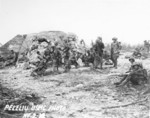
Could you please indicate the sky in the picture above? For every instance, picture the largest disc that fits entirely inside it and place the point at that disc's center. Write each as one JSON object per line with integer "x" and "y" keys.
{"x": 128, "y": 20}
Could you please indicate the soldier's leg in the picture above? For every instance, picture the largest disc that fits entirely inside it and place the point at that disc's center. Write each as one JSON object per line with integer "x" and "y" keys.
{"x": 67, "y": 65}
{"x": 112, "y": 58}
{"x": 126, "y": 80}
{"x": 115, "y": 60}
{"x": 116, "y": 63}
{"x": 42, "y": 68}
{"x": 57, "y": 68}
{"x": 96, "y": 63}
{"x": 54, "y": 65}
{"x": 86, "y": 61}
{"x": 57, "y": 64}
{"x": 123, "y": 79}
{"x": 76, "y": 64}
{"x": 101, "y": 62}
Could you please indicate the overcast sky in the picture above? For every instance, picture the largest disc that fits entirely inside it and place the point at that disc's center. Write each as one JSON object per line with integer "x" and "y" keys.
{"x": 129, "y": 20}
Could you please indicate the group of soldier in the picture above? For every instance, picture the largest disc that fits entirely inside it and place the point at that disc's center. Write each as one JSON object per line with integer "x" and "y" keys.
{"x": 67, "y": 56}
{"x": 64, "y": 56}
{"x": 54, "y": 55}
{"x": 100, "y": 54}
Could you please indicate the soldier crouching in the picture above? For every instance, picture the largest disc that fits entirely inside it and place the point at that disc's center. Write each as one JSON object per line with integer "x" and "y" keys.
{"x": 73, "y": 59}
{"x": 41, "y": 66}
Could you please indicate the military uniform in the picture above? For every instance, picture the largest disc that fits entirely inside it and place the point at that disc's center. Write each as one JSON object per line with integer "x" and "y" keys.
{"x": 73, "y": 59}
{"x": 137, "y": 53}
{"x": 40, "y": 64}
{"x": 67, "y": 62}
{"x": 106, "y": 57}
{"x": 57, "y": 58}
{"x": 98, "y": 53}
{"x": 137, "y": 75}
{"x": 146, "y": 46}
{"x": 115, "y": 51}
{"x": 12, "y": 58}
{"x": 47, "y": 54}
{"x": 86, "y": 59}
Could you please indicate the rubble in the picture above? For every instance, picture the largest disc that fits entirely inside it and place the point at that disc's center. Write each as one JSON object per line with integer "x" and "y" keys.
{"x": 10, "y": 98}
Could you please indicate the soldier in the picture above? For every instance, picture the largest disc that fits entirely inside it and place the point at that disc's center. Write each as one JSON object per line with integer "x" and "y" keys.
{"x": 47, "y": 53}
{"x": 73, "y": 59}
{"x": 115, "y": 51}
{"x": 12, "y": 59}
{"x": 137, "y": 53}
{"x": 120, "y": 46}
{"x": 85, "y": 59}
{"x": 146, "y": 46}
{"x": 82, "y": 42}
{"x": 57, "y": 59}
{"x": 106, "y": 57}
{"x": 66, "y": 55}
{"x": 136, "y": 75}
{"x": 89, "y": 57}
{"x": 40, "y": 65}
{"x": 98, "y": 50}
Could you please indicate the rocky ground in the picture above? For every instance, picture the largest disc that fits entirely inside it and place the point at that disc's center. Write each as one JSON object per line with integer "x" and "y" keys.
{"x": 83, "y": 92}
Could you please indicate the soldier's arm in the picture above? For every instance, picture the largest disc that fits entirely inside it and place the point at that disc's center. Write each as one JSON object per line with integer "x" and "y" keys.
{"x": 136, "y": 71}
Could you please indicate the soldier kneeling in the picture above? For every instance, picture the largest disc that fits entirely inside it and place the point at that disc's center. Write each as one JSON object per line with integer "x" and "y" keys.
{"x": 136, "y": 76}
{"x": 41, "y": 66}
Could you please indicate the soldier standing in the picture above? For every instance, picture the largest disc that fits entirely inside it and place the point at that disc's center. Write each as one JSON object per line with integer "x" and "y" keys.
{"x": 66, "y": 57}
{"x": 57, "y": 58}
{"x": 98, "y": 50}
{"x": 115, "y": 51}
{"x": 146, "y": 46}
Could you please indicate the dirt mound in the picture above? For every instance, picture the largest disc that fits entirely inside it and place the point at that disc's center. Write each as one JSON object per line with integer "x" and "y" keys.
{"x": 23, "y": 42}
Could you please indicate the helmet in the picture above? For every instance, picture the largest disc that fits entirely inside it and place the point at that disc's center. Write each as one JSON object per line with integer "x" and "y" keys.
{"x": 137, "y": 64}
{"x": 131, "y": 59}
{"x": 114, "y": 38}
